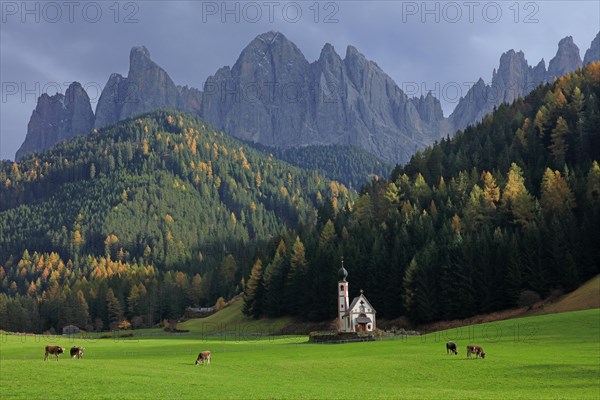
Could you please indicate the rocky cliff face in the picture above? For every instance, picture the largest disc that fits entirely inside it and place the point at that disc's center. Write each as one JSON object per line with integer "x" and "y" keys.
{"x": 147, "y": 87}
{"x": 472, "y": 107}
{"x": 56, "y": 118}
{"x": 110, "y": 103}
{"x": 274, "y": 96}
{"x": 567, "y": 59}
{"x": 263, "y": 98}
{"x": 514, "y": 79}
{"x": 593, "y": 53}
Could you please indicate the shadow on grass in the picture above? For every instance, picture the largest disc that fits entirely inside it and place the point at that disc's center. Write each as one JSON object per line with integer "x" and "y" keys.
{"x": 582, "y": 374}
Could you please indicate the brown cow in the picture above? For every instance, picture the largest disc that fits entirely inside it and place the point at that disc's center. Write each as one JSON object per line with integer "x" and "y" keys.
{"x": 451, "y": 348}
{"x": 54, "y": 350}
{"x": 77, "y": 352}
{"x": 203, "y": 356}
{"x": 475, "y": 349}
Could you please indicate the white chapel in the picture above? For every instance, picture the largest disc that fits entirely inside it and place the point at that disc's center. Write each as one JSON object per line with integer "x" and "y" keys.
{"x": 358, "y": 316}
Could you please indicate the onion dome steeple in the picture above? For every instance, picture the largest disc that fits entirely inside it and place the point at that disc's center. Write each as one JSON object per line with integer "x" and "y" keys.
{"x": 342, "y": 273}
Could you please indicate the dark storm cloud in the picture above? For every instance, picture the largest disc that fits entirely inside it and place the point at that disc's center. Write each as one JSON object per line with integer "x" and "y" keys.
{"x": 422, "y": 46}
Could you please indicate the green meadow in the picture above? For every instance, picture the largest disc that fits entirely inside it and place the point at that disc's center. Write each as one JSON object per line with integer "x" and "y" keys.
{"x": 542, "y": 357}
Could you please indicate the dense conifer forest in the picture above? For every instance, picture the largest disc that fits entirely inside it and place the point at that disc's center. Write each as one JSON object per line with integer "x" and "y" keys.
{"x": 137, "y": 221}
{"x": 350, "y": 165}
{"x": 140, "y": 220}
{"x": 506, "y": 208}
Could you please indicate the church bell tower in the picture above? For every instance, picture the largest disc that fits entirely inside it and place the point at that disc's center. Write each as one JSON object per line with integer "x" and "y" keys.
{"x": 343, "y": 318}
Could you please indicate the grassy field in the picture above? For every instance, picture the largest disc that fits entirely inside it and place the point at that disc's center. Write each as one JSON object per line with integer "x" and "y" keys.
{"x": 231, "y": 320}
{"x": 550, "y": 356}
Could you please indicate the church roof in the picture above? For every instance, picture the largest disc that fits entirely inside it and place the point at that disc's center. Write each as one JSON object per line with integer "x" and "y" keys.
{"x": 363, "y": 320}
{"x": 356, "y": 300}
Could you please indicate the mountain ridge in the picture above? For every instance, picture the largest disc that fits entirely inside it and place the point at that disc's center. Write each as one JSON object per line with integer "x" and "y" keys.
{"x": 58, "y": 117}
{"x": 516, "y": 78}
{"x": 273, "y": 96}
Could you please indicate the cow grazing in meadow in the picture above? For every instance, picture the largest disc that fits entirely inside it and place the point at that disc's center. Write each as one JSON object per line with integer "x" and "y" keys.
{"x": 474, "y": 349}
{"x": 77, "y": 352}
{"x": 202, "y": 357}
{"x": 54, "y": 350}
{"x": 451, "y": 348}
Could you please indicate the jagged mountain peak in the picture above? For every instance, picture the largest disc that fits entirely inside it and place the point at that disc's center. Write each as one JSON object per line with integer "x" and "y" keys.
{"x": 512, "y": 53}
{"x": 274, "y": 96}
{"x": 116, "y": 76}
{"x": 296, "y": 103}
{"x": 139, "y": 52}
{"x": 329, "y": 55}
{"x": 428, "y": 107}
{"x": 74, "y": 86}
{"x": 358, "y": 66}
{"x": 147, "y": 87}
{"x": 327, "y": 47}
{"x": 327, "y": 50}
{"x": 566, "y": 46}
{"x": 513, "y": 66}
{"x": 271, "y": 41}
{"x": 352, "y": 54}
{"x": 268, "y": 52}
{"x": 355, "y": 57}
{"x": 140, "y": 62}
{"x": 270, "y": 36}
{"x": 541, "y": 64}
{"x": 514, "y": 78}
{"x": 75, "y": 91}
{"x": 512, "y": 59}
{"x": 567, "y": 58}
{"x": 593, "y": 53}
{"x": 566, "y": 41}
{"x": 57, "y": 118}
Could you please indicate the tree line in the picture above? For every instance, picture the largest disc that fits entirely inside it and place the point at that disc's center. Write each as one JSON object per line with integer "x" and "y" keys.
{"x": 467, "y": 226}
{"x": 161, "y": 191}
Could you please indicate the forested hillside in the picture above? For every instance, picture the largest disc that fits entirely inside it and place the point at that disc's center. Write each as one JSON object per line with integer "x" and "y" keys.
{"x": 349, "y": 165}
{"x": 142, "y": 219}
{"x": 467, "y": 226}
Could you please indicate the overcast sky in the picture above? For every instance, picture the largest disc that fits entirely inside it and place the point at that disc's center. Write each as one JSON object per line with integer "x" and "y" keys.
{"x": 437, "y": 46}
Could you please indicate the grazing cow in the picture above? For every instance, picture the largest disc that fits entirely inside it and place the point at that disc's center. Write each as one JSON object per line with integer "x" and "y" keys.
{"x": 451, "y": 348}
{"x": 54, "y": 350}
{"x": 474, "y": 349}
{"x": 203, "y": 356}
{"x": 77, "y": 352}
